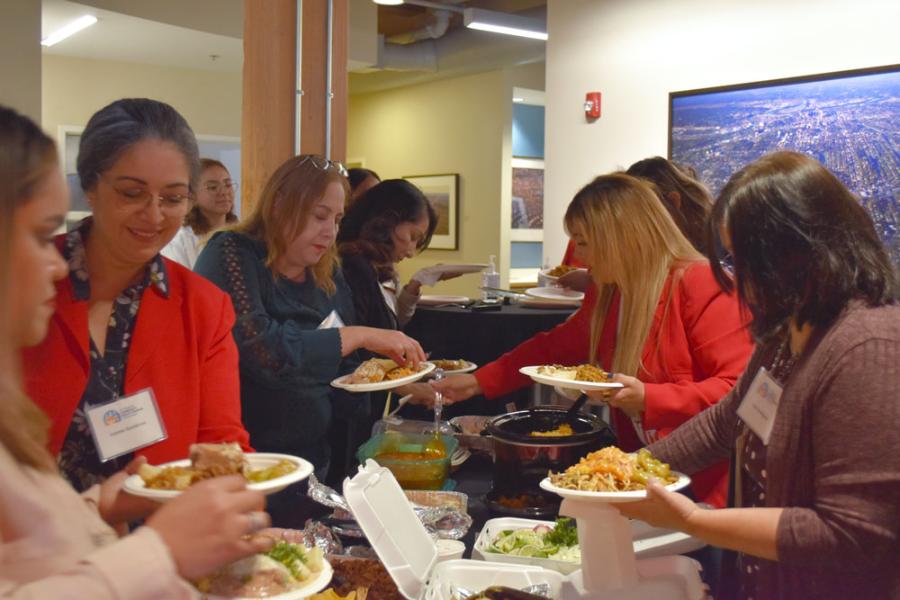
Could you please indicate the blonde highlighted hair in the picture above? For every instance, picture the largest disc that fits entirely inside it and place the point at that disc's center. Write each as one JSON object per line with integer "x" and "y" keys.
{"x": 283, "y": 211}
{"x": 633, "y": 245}
{"x": 27, "y": 155}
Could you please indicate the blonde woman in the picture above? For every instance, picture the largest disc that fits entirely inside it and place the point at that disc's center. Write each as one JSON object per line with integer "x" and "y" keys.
{"x": 655, "y": 316}
{"x": 295, "y": 315}
{"x": 55, "y": 543}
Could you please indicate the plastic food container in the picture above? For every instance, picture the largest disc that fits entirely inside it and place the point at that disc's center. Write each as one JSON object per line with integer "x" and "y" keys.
{"x": 468, "y": 430}
{"x": 411, "y": 556}
{"x": 450, "y": 549}
{"x": 404, "y": 454}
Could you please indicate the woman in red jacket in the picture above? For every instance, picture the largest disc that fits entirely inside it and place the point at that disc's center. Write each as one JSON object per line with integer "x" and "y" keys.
{"x": 127, "y": 319}
{"x": 655, "y": 317}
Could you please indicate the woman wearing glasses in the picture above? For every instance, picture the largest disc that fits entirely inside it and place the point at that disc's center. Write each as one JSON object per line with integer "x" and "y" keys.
{"x": 654, "y": 316}
{"x": 134, "y": 333}
{"x": 55, "y": 543}
{"x": 213, "y": 209}
{"x": 817, "y": 486}
{"x": 294, "y": 310}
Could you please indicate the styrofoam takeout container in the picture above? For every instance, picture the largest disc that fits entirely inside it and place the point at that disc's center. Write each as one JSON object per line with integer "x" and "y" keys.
{"x": 411, "y": 556}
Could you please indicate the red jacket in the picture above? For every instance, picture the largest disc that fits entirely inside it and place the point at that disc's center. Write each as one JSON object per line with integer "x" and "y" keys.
{"x": 181, "y": 347}
{"x": 703, "y": 348}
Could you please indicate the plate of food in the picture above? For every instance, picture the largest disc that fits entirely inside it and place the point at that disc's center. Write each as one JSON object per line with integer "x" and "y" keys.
{"x": 611, "y": 475}
{"x": 557, "y": 271}
{"x": 453, "y": 367}
{"x": 264, "y": 471}
{"x": 286, "y": 572}
{"x": 556, "y": 294}
{"x": 381, "y": 374}
{"x": 578, "y": 377}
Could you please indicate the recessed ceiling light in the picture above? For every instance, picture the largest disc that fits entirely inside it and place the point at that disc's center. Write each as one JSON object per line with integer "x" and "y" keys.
{"x": 68, "y": 30}
{"x": 518, "y": 99}
{"x": 388, "y": 2}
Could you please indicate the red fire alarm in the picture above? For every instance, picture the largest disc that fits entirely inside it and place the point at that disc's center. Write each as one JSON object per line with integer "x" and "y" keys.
{"x": 592, "y": 105}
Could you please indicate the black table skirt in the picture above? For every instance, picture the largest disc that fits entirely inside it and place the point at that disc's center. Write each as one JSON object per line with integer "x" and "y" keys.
{"x": 480, "y": 337}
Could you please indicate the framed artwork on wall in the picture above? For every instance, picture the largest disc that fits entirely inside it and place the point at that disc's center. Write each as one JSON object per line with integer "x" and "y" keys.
{"x": 527, "y": 209}
{"x": 849, "y": 121}
{"x": 443, "y": 193}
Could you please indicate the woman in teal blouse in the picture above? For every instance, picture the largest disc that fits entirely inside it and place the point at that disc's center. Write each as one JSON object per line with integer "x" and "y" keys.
{"x": 295, "y": 316}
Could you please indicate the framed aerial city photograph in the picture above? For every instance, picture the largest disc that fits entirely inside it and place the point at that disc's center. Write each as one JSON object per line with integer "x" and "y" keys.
{"x": 849, "y": 121}
{"x": 443, "y": 193}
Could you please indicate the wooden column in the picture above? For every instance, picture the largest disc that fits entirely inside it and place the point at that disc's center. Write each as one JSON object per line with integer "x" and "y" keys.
{"x": 269, "y": 87}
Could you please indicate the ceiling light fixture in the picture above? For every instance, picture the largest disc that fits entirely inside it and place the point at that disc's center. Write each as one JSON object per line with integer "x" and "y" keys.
{"x": 68, "y": 30}
{"x": 498, "y": 22}
{"x": 389, "y": 2}
{"x": 518, "y": 99}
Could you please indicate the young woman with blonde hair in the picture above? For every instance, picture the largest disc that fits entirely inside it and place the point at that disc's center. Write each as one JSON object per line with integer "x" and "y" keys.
{"x": 654, "y": 316}
{"x": 295, "y": 314}
{"x": 55, "y": 543}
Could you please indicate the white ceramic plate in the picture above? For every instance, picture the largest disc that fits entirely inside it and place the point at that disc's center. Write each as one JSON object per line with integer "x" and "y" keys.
{"x": 258, "y": 460}
{"x": 568, "y": 384}
{"x": 434, "y": 300}
{"x": 463, "y": 268}
{"x": 555, "y": 293}
{"x": 310, "y": 587}
{"x": 470, "y": 366}
{"x": 612, "y": 497}
{"x": 341, "y": 382}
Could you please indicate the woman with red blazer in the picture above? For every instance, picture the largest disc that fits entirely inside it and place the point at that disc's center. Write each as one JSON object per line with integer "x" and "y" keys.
{"x": 127, "y": 319}
{"x": 655, "y": 316}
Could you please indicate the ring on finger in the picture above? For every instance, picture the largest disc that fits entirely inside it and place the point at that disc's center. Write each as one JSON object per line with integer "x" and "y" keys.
{"x": 258, "y": 520}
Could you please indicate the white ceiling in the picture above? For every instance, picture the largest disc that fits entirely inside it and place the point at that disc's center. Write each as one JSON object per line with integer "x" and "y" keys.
{"x": 127, "y": 38}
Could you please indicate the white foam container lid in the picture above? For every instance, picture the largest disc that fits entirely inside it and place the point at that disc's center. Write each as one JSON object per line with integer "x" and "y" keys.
{"x": 408, "y": 552}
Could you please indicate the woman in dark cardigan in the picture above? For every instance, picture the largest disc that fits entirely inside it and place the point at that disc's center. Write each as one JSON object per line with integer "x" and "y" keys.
{"x": 817, "y": 483}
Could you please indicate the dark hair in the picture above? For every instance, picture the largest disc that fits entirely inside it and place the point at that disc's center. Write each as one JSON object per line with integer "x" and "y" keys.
{"x": 27, "y": 157}
{"x": 124, "y": 123}
{"x": 803, "y": 245}
{"x": 195, "y": 218}
{"x": 696, "y": 201}
{"x": 368, "y": 226}
{"x": 357, "y": 175}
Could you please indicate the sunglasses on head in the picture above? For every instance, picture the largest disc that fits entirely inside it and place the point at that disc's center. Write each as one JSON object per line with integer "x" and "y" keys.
{"x": 323, "y": 163}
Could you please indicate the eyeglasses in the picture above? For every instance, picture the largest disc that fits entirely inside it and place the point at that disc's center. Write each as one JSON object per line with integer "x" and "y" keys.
{"x": 323, "y": 163}
{"x": 170, "y": 203}
{"x": 214, "y": 187}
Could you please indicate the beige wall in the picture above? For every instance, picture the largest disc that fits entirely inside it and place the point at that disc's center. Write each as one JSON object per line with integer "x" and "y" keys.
{"x": 20, "y": 57}
{"x": 459, "y": 125}
{"x": 635, "y": 53}
{"x": 75, "y": 88}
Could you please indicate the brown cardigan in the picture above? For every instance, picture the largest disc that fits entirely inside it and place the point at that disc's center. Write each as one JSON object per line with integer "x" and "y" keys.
{"x": 833, "y": 459}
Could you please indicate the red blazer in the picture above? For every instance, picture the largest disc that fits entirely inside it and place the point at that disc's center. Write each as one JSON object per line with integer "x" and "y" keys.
{"x": 182, "y": 347}
{"x": 703, "y": 348}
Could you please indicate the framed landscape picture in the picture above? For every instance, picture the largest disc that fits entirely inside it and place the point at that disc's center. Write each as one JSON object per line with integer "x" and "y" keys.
{"x": 849, "y": 121}
{"x": 443, "y": 193}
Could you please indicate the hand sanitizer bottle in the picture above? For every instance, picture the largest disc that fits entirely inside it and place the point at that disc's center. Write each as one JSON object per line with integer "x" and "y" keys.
{"x": 490, "y": 279}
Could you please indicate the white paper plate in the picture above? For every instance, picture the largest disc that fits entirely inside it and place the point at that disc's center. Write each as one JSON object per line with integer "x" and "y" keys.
{"x": 463, "y": 268}
{"x": 467, "y": 369}
{"x": 555, "y": 293}
{"x": 569, "y": 384}
{"x": 341, "y": 382}
{"x": 258, "y": 460}
{"x": 434, "y": 300}
{"x": 316, "y": 584}
{"x": 612, "y": 497}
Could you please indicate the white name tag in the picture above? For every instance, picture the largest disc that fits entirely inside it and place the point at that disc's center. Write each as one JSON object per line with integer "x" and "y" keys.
{"x": 331, "y": 321}
{"x": 126, "y": 425}
{"x": 760, "y": 405}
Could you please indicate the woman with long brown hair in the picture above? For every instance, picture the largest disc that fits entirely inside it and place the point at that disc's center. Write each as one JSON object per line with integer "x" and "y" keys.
{"x": 53, "y": 542}
{"x": 213, "y": 209}
{"x": 654, "y": 316}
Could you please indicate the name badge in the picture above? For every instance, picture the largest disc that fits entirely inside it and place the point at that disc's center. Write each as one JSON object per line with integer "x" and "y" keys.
{"x": 128, "y": 424}
{"x": 331, "y": 321}
{"x": 760, "y": 405}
